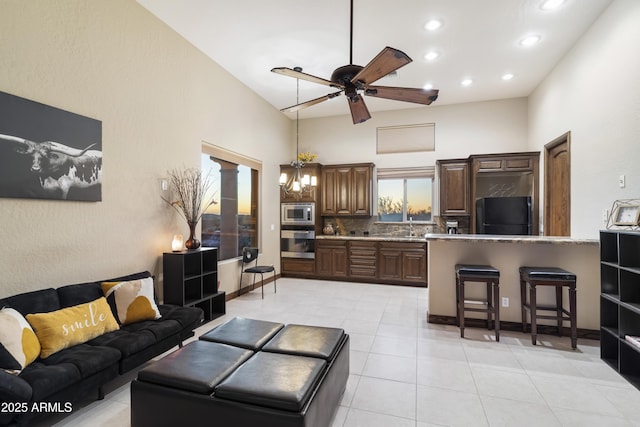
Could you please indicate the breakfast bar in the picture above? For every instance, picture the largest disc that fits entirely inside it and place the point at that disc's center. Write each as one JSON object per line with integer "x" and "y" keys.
{"x": 508, "y": 254}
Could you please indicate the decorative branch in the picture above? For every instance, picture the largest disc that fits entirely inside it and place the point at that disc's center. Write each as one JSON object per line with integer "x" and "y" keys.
{"x": 191, "y": 197}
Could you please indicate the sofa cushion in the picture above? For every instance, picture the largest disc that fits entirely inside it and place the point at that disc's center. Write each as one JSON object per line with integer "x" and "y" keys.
{"x": 132, "y": 300}
{"x": 19, "y": 345}
{"x": 160, "y": 330}
{"x": 88, "y": 359}
{"x": 40, "y": 301}
{"x": 46, "y": 380}
{"x": 82, "y": 293}
{"x": 127, "y": 343}
{"x": 69, "y": 326}
{"x": 188, "y": 317}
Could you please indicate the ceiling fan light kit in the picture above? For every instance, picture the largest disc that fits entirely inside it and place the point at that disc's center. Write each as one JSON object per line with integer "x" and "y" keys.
{"x": 355, "y": 80}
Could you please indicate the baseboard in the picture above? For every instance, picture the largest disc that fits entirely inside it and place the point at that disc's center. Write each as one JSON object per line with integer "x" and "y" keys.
{"x": 513, "y": 326}
{"x": 248, "y": 288}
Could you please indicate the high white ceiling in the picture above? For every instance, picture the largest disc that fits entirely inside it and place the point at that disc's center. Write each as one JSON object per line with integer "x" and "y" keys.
{"x": 479, "y": 39}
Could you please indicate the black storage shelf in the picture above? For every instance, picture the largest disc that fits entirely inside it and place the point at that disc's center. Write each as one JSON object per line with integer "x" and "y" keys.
{"x": 191, "y": 280}
{"x": 620, "y": 302}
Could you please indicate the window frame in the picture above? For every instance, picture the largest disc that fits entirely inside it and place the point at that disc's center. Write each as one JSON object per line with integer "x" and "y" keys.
{"x": 405, "y": 174}
{"x": 226, "y": 155}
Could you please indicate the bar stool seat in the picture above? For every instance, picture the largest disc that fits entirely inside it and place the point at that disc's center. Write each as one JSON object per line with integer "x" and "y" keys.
{"x": 548, "y": 276}
{"x": 484, "y": 274}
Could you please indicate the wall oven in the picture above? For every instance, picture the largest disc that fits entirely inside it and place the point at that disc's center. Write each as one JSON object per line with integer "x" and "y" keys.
{"x": 298, "y": 214}
{"x": 297, "y": 243}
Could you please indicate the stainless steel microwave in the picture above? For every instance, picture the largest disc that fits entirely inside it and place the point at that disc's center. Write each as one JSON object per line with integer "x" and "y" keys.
{"x": 298, "y": 214}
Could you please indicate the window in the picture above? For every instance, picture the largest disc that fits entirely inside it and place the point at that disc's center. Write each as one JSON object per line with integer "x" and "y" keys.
{"x": 232, "y": 223}
{"x": 405, "y": 194}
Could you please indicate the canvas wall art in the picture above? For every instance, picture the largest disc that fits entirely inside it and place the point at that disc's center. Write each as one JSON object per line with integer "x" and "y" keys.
{"x": 48, "y": 153}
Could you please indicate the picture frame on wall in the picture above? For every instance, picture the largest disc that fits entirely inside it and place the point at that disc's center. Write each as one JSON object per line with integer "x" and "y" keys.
{"x": 48, "y": 153}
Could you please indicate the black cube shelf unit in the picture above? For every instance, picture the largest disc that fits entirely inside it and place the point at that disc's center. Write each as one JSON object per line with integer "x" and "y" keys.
{"x": 620, "y": 301}
{"x": 191, "y": 280}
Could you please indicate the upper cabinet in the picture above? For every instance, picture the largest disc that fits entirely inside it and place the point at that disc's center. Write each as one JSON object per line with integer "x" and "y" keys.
{"x": 463, "y": 181}
{"x": 454, "y": 187}
{"x": 311, "y": 169}
{"x": 506, "y": 175}
{"x": 346, "y": 190}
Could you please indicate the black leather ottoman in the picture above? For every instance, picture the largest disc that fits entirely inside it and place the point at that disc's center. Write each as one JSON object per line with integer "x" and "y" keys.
{"x": 297, "y": 383}
{"x": 241, "y": 332}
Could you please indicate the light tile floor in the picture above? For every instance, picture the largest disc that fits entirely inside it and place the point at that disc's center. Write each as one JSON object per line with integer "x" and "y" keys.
{"x": 406, "y": 372}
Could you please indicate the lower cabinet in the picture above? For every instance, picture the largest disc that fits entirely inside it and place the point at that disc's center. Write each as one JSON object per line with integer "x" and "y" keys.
{"x": 331, "y": 258}
{"x": 403, "y": 262}
{"x": 297, "y": 267}
{"x": 374, "y": 261}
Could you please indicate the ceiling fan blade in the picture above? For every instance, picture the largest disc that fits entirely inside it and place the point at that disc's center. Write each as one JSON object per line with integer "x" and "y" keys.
{"x": 388, "y": 60}
{"x": 359, "y": 110}
{"x": 304, "y": 76}
{"x": 303, "y": 105}
{"x": 419, "y": 96}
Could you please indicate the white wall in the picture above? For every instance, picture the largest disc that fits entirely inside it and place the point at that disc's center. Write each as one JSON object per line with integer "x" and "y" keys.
{"x": 594, "y": 92}
{"x": 462, "y": 129}
{"x": 158, "y": 98}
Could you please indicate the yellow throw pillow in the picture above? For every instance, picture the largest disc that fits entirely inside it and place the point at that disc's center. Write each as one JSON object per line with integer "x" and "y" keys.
{"x": 19, "y": 345}
{"x": 133, "y": 300}
{"x": 65, "y": 328}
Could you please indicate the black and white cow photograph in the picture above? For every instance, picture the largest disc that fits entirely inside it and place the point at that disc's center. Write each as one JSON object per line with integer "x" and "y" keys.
{"x": 48, "y": 153}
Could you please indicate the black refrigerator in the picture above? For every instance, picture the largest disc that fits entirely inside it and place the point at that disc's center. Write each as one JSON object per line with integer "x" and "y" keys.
{"x": 504, "y": 215}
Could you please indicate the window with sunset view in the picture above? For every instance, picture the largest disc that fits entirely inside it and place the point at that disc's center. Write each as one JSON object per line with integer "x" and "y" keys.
{"x": 231, "y": 223}
{"x": 403, "y": 197}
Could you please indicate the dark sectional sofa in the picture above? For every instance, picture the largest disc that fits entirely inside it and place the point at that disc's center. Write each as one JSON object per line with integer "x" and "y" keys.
{"x": 80, "y": 371}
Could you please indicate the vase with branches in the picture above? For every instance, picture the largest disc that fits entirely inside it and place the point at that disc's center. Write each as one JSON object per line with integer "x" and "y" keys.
{"x": 191, "y": 196}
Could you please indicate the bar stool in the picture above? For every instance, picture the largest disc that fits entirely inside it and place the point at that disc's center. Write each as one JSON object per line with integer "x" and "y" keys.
{"x": 484, "y": 274}
{"x": 548, "y": 276}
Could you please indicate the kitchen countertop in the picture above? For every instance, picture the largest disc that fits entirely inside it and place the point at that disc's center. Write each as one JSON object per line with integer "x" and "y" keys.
{"x": 485, "y": 238}
{"x": 373, "y": 237}
{"x": 468, "y": 238}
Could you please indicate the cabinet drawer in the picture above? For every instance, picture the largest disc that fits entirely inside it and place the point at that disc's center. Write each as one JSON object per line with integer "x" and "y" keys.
{"x": 363, "y": 272}
{"x": 489, "y": 165}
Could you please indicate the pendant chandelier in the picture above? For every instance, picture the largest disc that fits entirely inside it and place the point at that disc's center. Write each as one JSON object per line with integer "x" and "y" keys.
{"x": 299, "y": 184}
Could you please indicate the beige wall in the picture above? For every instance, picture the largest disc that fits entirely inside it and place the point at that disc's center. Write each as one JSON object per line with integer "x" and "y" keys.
{"x": 594, "y": 92}
{"x": 581, "y": 259}
{"x": 158, "y": 98}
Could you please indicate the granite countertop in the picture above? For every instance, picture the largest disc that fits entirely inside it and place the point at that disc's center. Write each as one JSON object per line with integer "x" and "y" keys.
{"x": 374, "y": 237}
{"x": 486, "y": 238}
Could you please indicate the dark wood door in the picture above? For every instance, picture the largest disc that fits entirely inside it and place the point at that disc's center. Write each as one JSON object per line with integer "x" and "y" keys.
{"x": 414, "y": 265}
{"x": 557, "y": 187}
{"x": 390, "y": 267}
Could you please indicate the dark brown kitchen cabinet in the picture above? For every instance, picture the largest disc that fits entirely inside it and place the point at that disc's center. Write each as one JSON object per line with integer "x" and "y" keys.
{"x": 506, "y": 175}
{"x": 311, "y": 169}
{"x": 403, "y": 262}
{"x": 346, "y": 190}
{"x": 331, "y": 258}
{"x": 297, "y": 267}
{"x": 363, "y": 259}
{"x": 454, "y": 187}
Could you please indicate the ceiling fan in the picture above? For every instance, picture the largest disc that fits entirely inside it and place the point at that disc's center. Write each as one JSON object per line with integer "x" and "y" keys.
{"x": 355, "y": 80}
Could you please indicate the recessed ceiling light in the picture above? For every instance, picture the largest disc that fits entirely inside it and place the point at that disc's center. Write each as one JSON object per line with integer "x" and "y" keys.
{"x": 507, "y": 76}
{"x": 433, "y": 24}
{"x": 551, "y": 4}
{"x": 530, "y": 41}
{"x": 428, "y": 86}
{"x": 466, "y": 82}
{"x": 431, "y": 56}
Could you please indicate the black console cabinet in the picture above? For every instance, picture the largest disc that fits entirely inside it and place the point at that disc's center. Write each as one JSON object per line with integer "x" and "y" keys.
{"x": 191, "y": 279}
{"x": 620, "y": 302}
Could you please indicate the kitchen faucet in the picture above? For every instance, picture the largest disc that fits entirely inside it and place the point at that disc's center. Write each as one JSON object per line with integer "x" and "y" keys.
{"x": 411, "y": 226}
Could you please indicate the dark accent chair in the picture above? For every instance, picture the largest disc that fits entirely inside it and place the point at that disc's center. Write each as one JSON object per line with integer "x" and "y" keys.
{"x": 250, "y": 255}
